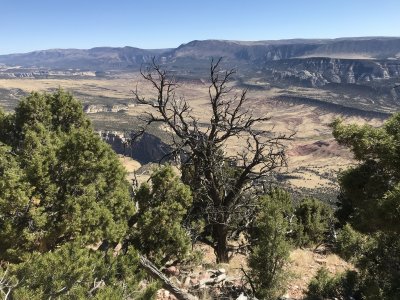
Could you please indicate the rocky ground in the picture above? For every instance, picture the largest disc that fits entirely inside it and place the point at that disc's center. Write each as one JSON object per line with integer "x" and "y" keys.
{"x": 208, "y": 279}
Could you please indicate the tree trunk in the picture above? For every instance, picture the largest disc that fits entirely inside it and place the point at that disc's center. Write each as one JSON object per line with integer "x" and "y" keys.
{"x": 220, "y": 233}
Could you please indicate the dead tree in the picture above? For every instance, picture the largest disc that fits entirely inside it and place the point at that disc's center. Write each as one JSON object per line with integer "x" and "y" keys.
{"x": 223, "y": 184}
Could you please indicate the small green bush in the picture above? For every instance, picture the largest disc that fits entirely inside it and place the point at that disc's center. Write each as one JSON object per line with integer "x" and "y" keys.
{"x": 270, "y": 251}
{"x": 350, "y": 244}
{"x": 314, "y": 219}
{"x": 342, "y": 286}
{"x": 161, "y": 209}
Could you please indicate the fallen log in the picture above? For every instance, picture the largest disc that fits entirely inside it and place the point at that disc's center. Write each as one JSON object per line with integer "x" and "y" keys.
{"x": 167, "y": 284}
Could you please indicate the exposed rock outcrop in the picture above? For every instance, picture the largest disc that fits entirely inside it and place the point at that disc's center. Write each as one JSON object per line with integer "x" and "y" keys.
{"x": 147, "y": 148}
{"x": 318, "y": 72}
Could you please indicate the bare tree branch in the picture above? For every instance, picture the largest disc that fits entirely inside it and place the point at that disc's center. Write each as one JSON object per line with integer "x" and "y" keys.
{"x": 223, "y": 182}
{"x": 7, "y": 284}
{"x": 167, "y": 284}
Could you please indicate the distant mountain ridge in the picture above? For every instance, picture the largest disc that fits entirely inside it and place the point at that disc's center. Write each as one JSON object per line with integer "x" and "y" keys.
{"x": 99, "y": 58}
{"x": 113, "y": 58}
{"x": 371, "y": 48}
{"x": 359, "y": 73}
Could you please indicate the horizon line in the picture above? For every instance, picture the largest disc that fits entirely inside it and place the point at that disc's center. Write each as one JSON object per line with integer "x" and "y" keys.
{"x": 203, "y": 40}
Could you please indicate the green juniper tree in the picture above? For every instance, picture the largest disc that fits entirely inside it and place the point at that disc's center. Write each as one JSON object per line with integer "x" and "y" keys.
{"x": 15, "y": 192}
{"x": 271, "y": 246}
{"x": 78, "y": 187}
{"x": 162, "y": 205}
{"x": 314, "y": 220}
{"x": 63, "y": 192}
{"x": 75, "y": 272}
{"x": 370, "y": 203}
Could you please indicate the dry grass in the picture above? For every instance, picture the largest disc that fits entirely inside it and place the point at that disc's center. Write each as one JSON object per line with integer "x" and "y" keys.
{"x": 304, "y": 266}
{"x": 116, "y": 88}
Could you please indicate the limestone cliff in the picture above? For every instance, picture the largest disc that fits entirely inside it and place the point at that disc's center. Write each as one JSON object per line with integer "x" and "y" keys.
{"x": 320, "y": 71}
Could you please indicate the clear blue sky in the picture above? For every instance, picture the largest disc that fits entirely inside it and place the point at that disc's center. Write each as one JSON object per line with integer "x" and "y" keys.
{"x": 27, "y": 25}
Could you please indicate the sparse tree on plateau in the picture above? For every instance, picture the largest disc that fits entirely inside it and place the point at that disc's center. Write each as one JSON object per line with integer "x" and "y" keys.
{"x": 223, "y": 186}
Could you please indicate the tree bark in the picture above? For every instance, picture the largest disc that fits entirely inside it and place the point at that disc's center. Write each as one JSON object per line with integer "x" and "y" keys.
{"x": 220, "y": 233}
{"x": 167, "y": 284}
